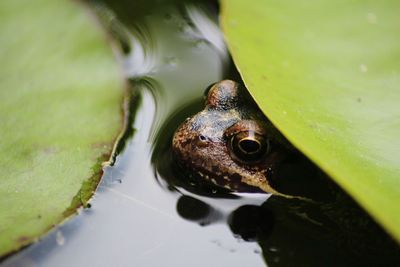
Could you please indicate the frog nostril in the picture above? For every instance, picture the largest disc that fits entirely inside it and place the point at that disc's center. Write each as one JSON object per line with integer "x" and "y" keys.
{"x": 249, "y": 146}
{"x": 202, "y": 141}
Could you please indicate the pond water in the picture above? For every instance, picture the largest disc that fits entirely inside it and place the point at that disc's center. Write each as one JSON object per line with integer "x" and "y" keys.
{"x": 146, "y": 212}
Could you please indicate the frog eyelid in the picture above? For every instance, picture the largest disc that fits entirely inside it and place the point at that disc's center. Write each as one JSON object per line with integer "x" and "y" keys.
{"x": 242, "y": 126}
{"x": 222, "y": 95}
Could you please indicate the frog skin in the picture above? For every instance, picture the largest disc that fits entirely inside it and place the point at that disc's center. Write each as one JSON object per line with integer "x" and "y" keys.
{"x": 231, "y": 143}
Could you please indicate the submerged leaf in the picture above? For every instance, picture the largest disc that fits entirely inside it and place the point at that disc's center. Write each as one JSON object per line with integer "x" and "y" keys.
{"x": 59, "y": 114}
{"x": 327, "y": 73}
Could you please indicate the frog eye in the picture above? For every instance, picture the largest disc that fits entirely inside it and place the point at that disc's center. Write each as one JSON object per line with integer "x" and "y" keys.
{"x": 248, "y": 146}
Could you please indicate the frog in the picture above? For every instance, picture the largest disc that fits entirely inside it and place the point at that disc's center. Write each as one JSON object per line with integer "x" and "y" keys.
{"x": 231, "y": 143}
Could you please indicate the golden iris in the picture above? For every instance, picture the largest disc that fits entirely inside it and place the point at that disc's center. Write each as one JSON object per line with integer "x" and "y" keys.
{"x": 249, "y": 146}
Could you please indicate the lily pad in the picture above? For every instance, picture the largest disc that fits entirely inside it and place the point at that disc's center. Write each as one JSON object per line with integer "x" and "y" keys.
{"x": 327, "y": 73}
{"x": 59, "y": 114}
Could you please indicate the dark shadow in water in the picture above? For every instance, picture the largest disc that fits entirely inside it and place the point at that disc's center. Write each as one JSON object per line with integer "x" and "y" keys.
{"x": 197, "y": 211}
{"x": 331, "y": 231}
{"x": 311, "y": 234}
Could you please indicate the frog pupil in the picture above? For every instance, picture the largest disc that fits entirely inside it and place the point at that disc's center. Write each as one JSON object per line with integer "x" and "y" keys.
{"x": 249, "y": 146}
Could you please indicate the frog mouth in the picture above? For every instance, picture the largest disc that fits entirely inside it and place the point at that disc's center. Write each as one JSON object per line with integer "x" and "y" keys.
{"x": 231, "y": 182}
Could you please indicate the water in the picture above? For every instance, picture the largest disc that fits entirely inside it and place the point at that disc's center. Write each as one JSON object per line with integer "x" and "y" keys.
{"x": 133, "y": 220}
{"x": 146, "y": 211}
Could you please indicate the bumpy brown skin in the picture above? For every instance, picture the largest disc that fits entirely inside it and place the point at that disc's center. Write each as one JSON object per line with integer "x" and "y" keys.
{"x": 202, "y": 142}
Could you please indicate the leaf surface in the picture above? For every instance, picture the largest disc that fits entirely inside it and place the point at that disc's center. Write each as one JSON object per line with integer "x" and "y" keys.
{"x": 327, "y": 73}
{"x": 59, "y": 114}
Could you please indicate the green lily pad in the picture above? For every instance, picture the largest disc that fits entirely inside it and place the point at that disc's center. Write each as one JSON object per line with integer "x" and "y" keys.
{"x": 327, "y": 73}
{"x": 59, "y": 115}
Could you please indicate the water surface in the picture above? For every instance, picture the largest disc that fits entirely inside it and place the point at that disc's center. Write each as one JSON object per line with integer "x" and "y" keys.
{"x": 147, "y": 212}
{"x": 168, "y": 56}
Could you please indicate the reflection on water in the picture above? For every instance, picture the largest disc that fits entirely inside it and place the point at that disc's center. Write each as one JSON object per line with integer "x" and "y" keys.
{"x": 134, "y": 221}
{"x": 177, "y": 45}
{"x": 169, "y": 53}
